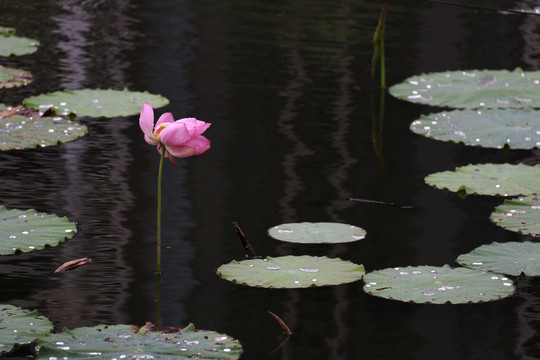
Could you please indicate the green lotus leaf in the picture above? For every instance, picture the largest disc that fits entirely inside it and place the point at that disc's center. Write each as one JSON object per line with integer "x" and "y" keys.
{"x": 11, "y": 45}
{"x": 19, "y": 132}
{"x": 28, "y": 230}
{"x": 437, "y": 285}
{"x": 508, "y": 128}
{"x": 95, "y": 102}
{"x": 317, "y": 233}
{"x": 489, "y": 179}
{"x": 520, "y": 215}
{"x": 121, "y": 342}
{"x": 20, "y": 326}
{"x": 291, "y": 272}
{"x": 511, "y": 258}
{"x": 487, "y": 89}
{"x": 13, "y": 77}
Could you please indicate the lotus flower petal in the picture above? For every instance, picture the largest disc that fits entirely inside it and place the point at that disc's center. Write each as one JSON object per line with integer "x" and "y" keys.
{"x": 146, "y": 121}
{"x": 165, "y": 119}
{"x": 195, "y": 127}
{"x": 180, "y": 151}
{"x": 200, "y": 144}
{"x": 181, "y": 138}
{"x": 175, "y": 134}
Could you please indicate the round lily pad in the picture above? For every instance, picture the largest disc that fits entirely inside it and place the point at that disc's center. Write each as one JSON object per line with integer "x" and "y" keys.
{"x": 28, "y": 230}
{"x": 520, "y": 215}
{"x": 20, "y": 326}
{"x": 511, "y": 258}
{"x": 437, "y": 285}
{"x": 10, "y": 77}
{"x": 19, "y": 132}
{"x": 317, "y": 233}
{"x": 95, "y": 102}
{"x": 122, "y": 342}
{"x": 11, "y": 45}
{"x": 489, "y": 179}
{"x": 508, "y": 128}
{"x": 488, "y": 89}
{"x": 291, "y": 272}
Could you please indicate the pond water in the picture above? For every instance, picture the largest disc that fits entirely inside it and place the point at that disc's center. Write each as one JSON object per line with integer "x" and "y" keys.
{"x": 288, "y": 90}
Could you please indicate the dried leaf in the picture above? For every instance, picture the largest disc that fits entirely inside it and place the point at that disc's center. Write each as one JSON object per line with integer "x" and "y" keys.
{"x": 73, "y": 264}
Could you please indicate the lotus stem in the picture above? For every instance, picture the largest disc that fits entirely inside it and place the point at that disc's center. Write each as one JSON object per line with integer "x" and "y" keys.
{"x": 158, "y": 243}
{"x": 158, "y": 237}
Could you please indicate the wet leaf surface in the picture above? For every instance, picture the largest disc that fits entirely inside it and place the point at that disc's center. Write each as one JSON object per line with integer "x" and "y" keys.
{"x": 29, "y": 230}
{"x": 521, "y": 215}
{"x": 291, "y": 272}
{"x": 128, "y": 342}
{"x": 11, "y": 45}
{"x": 10, "y": 77}
{"x": 511, "y": 258}
{"x": 513, "y": 129}
{"x": 19, "y": 132}
{"x": 317, "y": 233}
{"x": 489, "y": 179}
{"x": 437, "y": 285}
{"x": 471, "y": 89}
{"x": 20, "y": 326}
{"x": 95, "y": 102}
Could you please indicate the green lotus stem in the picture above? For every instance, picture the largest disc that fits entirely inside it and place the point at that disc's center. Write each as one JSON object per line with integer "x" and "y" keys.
{"x": 383, "y": 66}
{"x": 378, "y": 46}
{"x": 158, "y": 237}
{"x": 158, "y": 243}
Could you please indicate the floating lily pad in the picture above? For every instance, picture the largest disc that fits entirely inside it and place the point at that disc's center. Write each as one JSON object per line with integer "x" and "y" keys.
{"x": 291, "y": 272}
{"x": 121, "y": 342}
{"x": 520, "y": 215}
{"x": 515, "y": 129}
{"x": 11, "y": 45}
{"x": 511, "y": 258}
{"x": 437, "y": 285}
{"x": 20, "y": 326}
{"x": 95, "y": 102}
{"x": 489, "y": 179}
{"x": 13, "y": 77}
{"x": 28, "y": 230}
{"x": 488, "y": 89}
{"x": 19, "y": 132}
{"x": 317, "y": 233}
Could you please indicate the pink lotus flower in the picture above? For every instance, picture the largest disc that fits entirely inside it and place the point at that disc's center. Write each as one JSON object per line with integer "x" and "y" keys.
{"x": 181, "y": 138}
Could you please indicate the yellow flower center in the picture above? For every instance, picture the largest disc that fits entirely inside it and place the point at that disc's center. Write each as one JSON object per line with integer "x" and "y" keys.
{"x": 159, "y": 129}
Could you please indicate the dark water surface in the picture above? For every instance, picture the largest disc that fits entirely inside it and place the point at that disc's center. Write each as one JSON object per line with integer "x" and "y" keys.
{"x": 287, "y": 88}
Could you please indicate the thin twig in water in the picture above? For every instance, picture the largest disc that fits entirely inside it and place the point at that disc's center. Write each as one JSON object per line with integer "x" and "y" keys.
{"x": 286, "y": 332}
{"x": 245, "y": 243}
{"x": 477, "y": 7}
{"x": 380, "y": 203}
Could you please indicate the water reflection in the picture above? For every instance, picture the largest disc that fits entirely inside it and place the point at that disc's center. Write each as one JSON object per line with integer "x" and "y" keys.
{"x": 284, "y": 85}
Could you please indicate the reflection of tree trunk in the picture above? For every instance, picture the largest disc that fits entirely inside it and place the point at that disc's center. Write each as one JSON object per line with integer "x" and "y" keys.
{"x": 529, "y": 30}
{"x": 93, "y": 292}
{"x": 527, "y": 311}
{"x": 293, "y": 182}
{"x": 298, "y": 80}
{"x": 342, "y": 108}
